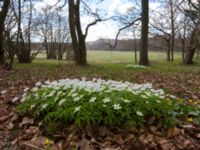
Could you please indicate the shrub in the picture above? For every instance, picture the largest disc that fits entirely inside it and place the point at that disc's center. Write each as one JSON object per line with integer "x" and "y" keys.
{"x": 104, "y": 102}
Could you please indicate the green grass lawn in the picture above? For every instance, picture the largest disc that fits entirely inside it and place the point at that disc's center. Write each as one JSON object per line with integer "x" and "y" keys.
{"x": 123, "y": 57}
{"x": 105, "y": 57}
{"x": 117, "y": 61}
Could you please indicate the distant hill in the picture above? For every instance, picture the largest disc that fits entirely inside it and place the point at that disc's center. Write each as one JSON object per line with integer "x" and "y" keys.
{"x": 155, "y": 44}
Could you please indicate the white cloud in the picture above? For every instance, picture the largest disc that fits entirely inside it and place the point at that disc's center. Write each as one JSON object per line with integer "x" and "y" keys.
{"x": 125, "y": 7}
{"x": 102, "y": 30}
{"x": 117, "y": 5}
{"x": 39, "y": 5}
{"x": 114, "y": 5}
{"x": 154, "y": 5}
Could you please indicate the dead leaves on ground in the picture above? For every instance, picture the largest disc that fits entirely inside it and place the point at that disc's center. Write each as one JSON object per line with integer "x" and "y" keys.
{"x": 81, "y": 138}
{"x": 186, "y": 84}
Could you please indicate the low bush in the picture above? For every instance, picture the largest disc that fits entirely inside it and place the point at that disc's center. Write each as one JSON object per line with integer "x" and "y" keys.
{"x": 104, "y": 102}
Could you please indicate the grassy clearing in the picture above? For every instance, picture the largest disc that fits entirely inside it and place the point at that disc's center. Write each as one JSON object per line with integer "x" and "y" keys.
{"x": 103, "y": 67}
{"x": 109, "y": 61}
{"x": 105, "y": 57}
{"x": 123, "y": 57}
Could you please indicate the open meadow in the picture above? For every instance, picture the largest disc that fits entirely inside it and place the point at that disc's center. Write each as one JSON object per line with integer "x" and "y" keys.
{"x": 115, "y": 60}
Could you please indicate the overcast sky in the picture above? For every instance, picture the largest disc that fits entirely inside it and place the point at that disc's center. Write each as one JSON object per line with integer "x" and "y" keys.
{"x": 105, "y": 29}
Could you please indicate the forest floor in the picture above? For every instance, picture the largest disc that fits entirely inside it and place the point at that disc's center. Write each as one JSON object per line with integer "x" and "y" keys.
{"x": 21, "y": 132}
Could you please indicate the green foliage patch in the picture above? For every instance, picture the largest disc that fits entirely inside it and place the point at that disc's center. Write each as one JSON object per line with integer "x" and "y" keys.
{"x": 81, "y": 102}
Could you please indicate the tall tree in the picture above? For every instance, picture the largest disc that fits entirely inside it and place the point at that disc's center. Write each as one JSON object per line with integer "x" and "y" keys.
{"x": 23, "y": 41}
{"x": 3, "y": 14}
{"x": 77, "y": 36}
{"x": 184, "y": 30}
{"x": 194, "y": 14}
{"x": 193, "y": 45}
{"x": 172, "y": 18}
{"x": 144, "y": 60}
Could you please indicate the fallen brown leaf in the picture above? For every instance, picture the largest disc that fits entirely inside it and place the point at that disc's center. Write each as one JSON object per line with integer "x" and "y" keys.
{"x": 4, "y": 118}
{"x": 10, "y": 126}
{"x": 129, "y": 137}
{"x": 188, "y": 126}
{"x": 118, "y": 139}
{"x": 85, "y": 144}
{"x": 198, "y": 136}
{"x": 168, "y": 146}
{"x": 174, "y": 131}
{"x": 26, "y": 121}
{"x": 155, "y": 131}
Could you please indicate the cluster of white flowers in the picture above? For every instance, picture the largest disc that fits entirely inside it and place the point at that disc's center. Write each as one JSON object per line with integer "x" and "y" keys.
{"x": 99, "y": 85}
{"x": 100, "y": 101}
{"x": 136, "y": 66}
{"x": 94, "y": 85}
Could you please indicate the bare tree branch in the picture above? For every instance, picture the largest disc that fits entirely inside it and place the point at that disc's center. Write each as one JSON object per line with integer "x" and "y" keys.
{"x": 193, "y": 5}
{"x": 91, "y": 24}
{"x": 121, "y": 29}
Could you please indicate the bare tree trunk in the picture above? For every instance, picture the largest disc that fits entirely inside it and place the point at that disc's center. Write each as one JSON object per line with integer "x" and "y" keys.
{"x": 168, "y": 50}
{"x": 193, "y": 45}
{"x": 24, "y": 47}
{"x": 78, "y": 38}
{"x": 70, "y": 53}
{"x": 183, "y": 51}
{"x": 135, "y": 46}
{"x": 183, "y": 41}
{"x": 190, "y": 54}
{"x": 197, "y": 54}
{"x": 60, "y": 55}
{"x": 2, "y": 57}
{"x": 10, "y": 49}
{"x": 3, "y": 15}
{"x": 172, "y": 30}
{"x": 135, "y": 50}
{"x": 144, "y": 60}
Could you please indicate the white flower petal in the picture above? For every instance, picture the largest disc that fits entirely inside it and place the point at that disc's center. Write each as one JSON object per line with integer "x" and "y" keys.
{"x": 117, "y": 106}
{"x": 139, "y": 113}
{"x": 77, "y": 109}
